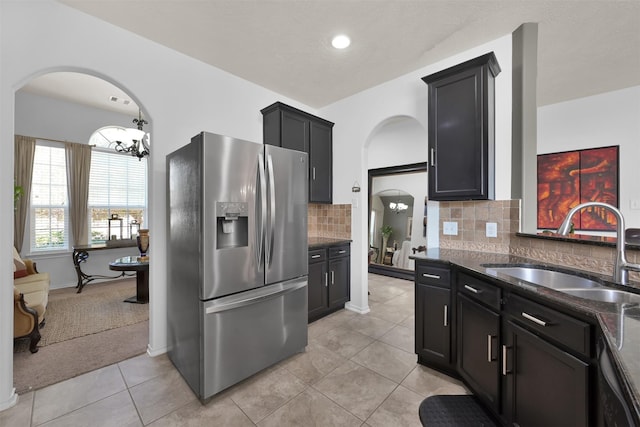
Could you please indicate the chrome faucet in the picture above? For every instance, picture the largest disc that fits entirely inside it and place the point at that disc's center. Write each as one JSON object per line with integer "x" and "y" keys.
{"x": 622, "y": 266}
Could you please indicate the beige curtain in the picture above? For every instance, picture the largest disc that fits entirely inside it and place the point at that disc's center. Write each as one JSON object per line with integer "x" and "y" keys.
{"x": 24, "y": 150}
{"x": 78, "y": 158}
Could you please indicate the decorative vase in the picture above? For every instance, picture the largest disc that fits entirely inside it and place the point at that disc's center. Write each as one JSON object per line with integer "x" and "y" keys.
{"x": 143, "y": 244}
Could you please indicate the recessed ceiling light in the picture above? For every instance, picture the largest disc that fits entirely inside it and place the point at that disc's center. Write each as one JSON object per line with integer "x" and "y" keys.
{"x": 340, "y": 41}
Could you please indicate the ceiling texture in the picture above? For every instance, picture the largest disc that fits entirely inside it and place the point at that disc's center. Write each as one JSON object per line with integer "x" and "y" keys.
{"x": 585, "y": 47}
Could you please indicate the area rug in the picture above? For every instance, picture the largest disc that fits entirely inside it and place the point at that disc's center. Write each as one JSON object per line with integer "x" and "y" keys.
{"x": 67, "y": 359}
{"x": 83, "y": 332}
{"x": 98, "y": 308}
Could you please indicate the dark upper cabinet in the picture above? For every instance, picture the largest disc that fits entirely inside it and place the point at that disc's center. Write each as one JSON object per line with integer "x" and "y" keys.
{"x": 289, "y": 127}
{"x": 461, "y": 130}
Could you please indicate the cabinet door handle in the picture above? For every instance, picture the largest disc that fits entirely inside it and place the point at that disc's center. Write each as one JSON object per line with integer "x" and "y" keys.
{"x": 332, "y": 277}
{"x": 504, "y": 361}
{"x": 433, "y": 155}
{"x": 471, "y": 289}
{"x": 315, "y": 256}
{"x": 313, "y": 173}
{"x": 446, "y": 315}
{"x": 342, "y": 251}
{"x": 326, "y": 279}
{"x": 431, "y": 276}
{"x": 534, "y": 319}
{"x": 489, "y": 355}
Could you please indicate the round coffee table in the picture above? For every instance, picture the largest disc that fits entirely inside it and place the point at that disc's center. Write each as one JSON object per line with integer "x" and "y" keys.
{"x": 131, "y": 263}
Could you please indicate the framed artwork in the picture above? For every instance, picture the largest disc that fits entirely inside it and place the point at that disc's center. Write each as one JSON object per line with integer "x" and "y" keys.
{"x": 572, "y": 177}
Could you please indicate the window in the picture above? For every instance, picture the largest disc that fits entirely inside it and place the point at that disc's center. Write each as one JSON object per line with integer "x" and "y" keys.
{"x": 117, "y": 185}
{"x": 49, "y": 210}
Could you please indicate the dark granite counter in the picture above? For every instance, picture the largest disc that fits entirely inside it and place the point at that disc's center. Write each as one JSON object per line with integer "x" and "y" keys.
{"x": 324, "y": 242}
{"x": 620, "y": 324}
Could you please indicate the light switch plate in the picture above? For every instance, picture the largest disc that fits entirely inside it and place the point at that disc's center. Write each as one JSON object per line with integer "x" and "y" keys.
{"x": 492, "y": 229}
{"x": 450, "y": 228}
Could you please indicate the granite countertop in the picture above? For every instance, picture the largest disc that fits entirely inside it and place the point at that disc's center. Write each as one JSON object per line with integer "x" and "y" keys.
{"x": 620, "y": 325}
{"x": 323, "y": 242}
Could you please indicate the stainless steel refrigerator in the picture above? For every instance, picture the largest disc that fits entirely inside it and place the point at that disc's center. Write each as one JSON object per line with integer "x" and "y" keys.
{"x": 237, "y": 259}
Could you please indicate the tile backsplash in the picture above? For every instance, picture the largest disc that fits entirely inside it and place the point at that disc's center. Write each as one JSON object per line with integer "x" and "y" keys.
{"x": 329, "y": 221}
{"x": 472, "y": 217}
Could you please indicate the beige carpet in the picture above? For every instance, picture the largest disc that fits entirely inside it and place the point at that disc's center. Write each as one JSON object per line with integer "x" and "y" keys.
{"x": 83, "y": 332}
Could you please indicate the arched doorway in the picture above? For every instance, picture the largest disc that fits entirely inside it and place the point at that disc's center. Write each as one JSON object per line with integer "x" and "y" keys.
{"x": 68, "y": 106}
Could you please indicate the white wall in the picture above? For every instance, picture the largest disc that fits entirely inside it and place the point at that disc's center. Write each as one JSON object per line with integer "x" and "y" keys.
{"x": 369, "y": 110}
{"x": 399, "y": 141}
{"x": 611, "y": 118}
{"x": 180, "y": 96}
{"x": 44, "y": 117}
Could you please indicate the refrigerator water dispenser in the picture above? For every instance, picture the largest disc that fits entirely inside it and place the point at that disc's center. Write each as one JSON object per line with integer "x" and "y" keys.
{"x": 232, "y": 225}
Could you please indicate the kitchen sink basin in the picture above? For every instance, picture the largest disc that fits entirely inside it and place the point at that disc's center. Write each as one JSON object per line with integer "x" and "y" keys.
{"x": 544, "y": 277}
{"x": 605, "y": 295}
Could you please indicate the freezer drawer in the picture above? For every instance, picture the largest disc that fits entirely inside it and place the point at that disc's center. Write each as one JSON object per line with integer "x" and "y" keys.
{"x": 247, "y": 332}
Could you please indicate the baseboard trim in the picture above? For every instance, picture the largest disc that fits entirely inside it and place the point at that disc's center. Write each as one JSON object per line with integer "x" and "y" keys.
{"x": 157, "y": 352}
{"x": 10, "y": 402}
{"x": 358, "y": 310}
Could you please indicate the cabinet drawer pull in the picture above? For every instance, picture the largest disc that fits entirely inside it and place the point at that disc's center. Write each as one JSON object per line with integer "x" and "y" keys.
{"x": 489, "y": 355}
{"x": 431, "y": 276}
{"x": 433, "y": 155}
{"x": 326, "y": 279}
{"x": 332, "y": 277}
{"x": 534, "y": 319}
{"x": 313, "y": 173}
{"x": 471, "y": 289}
{"x": 342, "y": 251}
{"x": 446, "y": 315}
{"x": 315, "y": 256}
{"x": 504, "y": 360}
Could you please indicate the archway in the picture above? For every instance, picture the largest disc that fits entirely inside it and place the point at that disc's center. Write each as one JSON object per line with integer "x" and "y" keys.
{"x": 79, "y": 106}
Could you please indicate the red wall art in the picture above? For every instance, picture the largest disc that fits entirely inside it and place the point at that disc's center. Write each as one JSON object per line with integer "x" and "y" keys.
{"x": 567, "y": 179}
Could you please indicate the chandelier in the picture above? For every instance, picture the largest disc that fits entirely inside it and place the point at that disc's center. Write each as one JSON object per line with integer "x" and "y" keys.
{"x": 139, "y": 145}
{"x": 398, "y": 207}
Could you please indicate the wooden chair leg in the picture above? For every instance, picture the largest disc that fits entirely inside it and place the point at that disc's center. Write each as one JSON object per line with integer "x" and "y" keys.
{"x": 34, "y": 338}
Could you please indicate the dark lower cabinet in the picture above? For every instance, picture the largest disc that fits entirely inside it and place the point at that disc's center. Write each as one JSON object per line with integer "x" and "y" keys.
{"x": 434, "y": 342}
{"x": 543, "y": 385}
{"x": 478, "y": 350}
{"x": 318, "y": 283}
{"x": 529, "y": 363}
{"x": 433, "y": 330}
{"x": 339, "y": 283}
{"x": 329, "y": 285}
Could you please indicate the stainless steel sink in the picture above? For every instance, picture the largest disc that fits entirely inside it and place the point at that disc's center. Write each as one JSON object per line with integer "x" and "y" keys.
{"x": 571, "y": 284}
{"x": 606, "y": 295}
{"x": 544, "y": 277}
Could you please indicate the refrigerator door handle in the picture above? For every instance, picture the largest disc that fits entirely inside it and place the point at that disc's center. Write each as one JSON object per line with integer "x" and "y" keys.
{"x": 261, "y": 222}
{"x": 272, "y": 211}
{"x": 252, "y": 297}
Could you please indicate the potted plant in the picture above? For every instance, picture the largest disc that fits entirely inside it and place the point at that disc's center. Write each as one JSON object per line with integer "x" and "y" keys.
{"x": 386, "y": 231}
{"x": 17, "y": 193}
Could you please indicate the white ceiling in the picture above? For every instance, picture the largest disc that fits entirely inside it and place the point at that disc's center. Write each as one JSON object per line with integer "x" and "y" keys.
{"x": 585, "y": 47}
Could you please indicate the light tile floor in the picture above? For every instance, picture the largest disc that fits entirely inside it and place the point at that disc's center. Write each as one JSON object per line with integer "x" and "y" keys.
{"x": 358, "y": 370}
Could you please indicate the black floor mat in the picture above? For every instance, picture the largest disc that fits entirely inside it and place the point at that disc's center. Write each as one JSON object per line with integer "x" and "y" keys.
{"x": 453, "y": 410}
